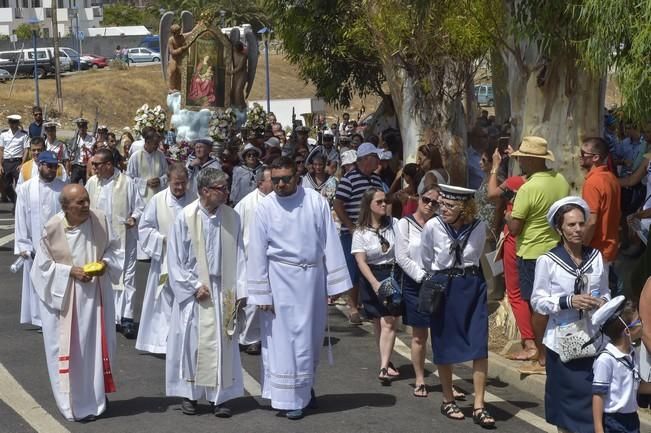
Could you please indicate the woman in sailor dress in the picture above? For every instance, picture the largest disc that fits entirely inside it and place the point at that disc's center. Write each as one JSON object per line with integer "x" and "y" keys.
{"x": 408, "y": 258}
{"x": 452, "y": 244}
{"x": 373, "y": 247}
{"x": 570, "y": 281}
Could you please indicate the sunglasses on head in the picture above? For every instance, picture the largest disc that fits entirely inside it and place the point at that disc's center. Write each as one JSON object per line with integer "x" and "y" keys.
{"x": 286, "y": 179}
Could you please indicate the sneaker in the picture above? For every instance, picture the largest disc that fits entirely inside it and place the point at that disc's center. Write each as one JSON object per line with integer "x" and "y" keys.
{"x": 189, "y": 407}
{"x": 129, "y": 329}
{"x": 294, "y": 414}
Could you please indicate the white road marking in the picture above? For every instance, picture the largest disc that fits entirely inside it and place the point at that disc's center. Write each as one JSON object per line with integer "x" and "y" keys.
{"x": 6, "y": 239}
{"x": 404, "y": 350}
{"x": 24, "y": 405}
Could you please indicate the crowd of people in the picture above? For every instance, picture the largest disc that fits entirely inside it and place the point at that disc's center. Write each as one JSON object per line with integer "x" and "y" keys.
{"x": 247, "y": 248}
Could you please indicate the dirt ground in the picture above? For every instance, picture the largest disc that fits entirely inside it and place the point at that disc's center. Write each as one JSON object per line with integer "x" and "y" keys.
{"x": 118, "y": 94}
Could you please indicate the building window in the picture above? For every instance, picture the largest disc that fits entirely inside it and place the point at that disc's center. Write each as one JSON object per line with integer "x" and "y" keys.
{"x": 36, "y": 3}
{"x": 4, "y": 3}
{"x": 25, "y": 3}
{"x": 60, "y": 4}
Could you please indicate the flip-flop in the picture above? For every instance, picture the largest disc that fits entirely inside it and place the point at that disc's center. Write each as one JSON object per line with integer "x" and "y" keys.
{"x": 420, "y": 391}
{"x": 390, "y": 366}
{"x": 523, "y": 355}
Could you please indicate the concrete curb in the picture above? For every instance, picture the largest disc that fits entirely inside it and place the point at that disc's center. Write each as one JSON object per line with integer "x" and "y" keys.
{"x": 505, "y": 370}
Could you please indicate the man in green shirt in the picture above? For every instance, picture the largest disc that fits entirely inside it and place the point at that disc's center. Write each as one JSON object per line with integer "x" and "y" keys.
{"x": 528, "y": 223}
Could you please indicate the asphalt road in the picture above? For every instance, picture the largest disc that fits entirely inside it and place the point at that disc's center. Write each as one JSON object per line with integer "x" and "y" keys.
{"x": 350, "y": 397}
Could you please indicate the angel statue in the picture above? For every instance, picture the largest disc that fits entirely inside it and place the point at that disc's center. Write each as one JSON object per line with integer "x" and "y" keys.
{"x": 174, "y": 47}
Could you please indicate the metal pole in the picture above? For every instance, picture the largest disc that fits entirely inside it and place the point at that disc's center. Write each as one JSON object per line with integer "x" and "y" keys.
{"x": 36, "y": 96}
{"x": 77, "y": 38}
{"x": 57, "y": 63}
{"x": 266, "y": 60}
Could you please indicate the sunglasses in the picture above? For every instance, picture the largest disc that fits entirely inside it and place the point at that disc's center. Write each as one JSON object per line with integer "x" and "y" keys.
{"x": 97, "y": 164}
{"x": 299, "y": 161}
{"x": 50, "y": 166}
{"x": 447, "y": 205}
{"x": 430, "y": 201}
{"x": 286, "y": 179}
{"x": 381, "y": 201}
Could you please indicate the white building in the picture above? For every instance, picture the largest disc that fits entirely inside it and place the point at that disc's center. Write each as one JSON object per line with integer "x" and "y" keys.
{"x": 71, "y": 15}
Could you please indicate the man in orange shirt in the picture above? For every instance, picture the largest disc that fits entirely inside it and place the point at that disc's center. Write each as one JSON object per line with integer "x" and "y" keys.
{"x": 602, "y": 192}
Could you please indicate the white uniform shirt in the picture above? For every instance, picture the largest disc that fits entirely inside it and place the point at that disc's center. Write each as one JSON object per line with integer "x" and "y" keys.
{"x": 59, "y": 149}
{"x": 616, "y": 377}
{"x": 84, "y": 149}
{"x": 14, "y": 145}
{"x": 553, "y": 285}
{"x": 436, "y": 243}
{"x": 408, "y": 248}
{"x": 367, "y": 241}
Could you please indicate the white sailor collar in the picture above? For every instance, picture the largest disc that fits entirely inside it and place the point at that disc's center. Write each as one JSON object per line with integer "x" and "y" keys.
{"x": 615, "y": 352}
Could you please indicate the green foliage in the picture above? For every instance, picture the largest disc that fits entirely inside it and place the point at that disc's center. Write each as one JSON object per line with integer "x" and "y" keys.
{"x": 122, "y": 14}
{"x": 620, "y": 37}
{"x": 24, "y": 31}
{"x": 330, "y": 42}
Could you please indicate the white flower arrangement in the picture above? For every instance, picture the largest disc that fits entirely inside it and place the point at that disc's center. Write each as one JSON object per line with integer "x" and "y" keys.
{"x": 256, "y": 118}
{"x": 154, "y": 117}
{"x": 221, "y": 125}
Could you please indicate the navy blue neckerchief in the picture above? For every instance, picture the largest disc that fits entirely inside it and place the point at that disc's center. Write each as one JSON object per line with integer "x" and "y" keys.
{"x": 459, "y": 239}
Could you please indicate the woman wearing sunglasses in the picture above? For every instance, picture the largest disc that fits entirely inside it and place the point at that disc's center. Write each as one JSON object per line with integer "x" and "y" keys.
{"x": 452, "y": 244}
{"x": 570, "y": 282}
{"x": 373, "y": 247}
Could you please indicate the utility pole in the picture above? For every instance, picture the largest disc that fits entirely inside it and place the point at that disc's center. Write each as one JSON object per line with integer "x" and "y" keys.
{"x": 58, "y": 97}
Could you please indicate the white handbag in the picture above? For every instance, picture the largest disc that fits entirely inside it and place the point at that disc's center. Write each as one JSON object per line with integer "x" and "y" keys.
{"x": 571, "y": 341}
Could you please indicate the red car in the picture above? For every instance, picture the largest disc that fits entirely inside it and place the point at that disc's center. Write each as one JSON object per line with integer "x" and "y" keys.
{"x": 96, "y": 62}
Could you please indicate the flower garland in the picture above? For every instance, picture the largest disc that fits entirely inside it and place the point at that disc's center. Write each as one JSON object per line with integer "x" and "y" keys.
{"x": 155, "y": 117}
{"x": 179, "y": 151}
{"x": 256, "y": 118}
{"x": 221, "y": 124}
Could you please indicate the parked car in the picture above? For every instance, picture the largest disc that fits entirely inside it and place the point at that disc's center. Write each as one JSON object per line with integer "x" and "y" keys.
{"x": 23, "y": 61}
{"x": 4, "y": 75}
{"x": 484, "y": 94}
{"x": 96, "y": 62}
{"x": 137, "y": 55}
{"x": 75, "y": 59}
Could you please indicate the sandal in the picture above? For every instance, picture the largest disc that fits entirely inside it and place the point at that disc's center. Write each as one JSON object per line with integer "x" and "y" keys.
{"x": 390, "y": 367}
{"x": 458, "y": 394}
{"x": 450, "y": 409}
{"x": 384, "y": 377}
{"x": 523, "y": 355}
{"x": 481, "y": 416}
{"x": 420, "y": 391}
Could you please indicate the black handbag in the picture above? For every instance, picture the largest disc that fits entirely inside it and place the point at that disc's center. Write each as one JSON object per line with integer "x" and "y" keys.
{"x": 432, "y": 292}
{"x": 390, "y": 294}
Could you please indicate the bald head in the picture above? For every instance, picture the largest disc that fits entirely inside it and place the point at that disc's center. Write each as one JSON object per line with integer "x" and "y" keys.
{"x": 75, "y": 203}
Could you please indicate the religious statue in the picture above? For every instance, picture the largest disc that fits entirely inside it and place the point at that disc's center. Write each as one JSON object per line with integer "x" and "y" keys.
{"x": 177, "y": 49}
{"x": 239, "y": 76}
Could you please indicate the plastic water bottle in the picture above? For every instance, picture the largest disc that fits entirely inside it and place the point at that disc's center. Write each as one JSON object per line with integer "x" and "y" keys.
{"x": 17, "y": 265}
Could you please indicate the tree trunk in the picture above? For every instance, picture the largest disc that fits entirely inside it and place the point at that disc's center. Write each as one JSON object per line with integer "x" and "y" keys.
{"x": 500, "y": 80}
{"x": 442, "y": 125}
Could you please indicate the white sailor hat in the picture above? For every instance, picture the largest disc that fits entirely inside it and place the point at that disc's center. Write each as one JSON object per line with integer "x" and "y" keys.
{"x": 102, "y": 127}
{"x": 328, "y": 133}
{"x": 562, "y": 202}
{"x": 51, "y": 124}
{"x": 206, "y": 141}
{"x": 14, "y": 117}
{"x": 459, "y": 193}
{"x": 250, "y": 148}
{"x": 80, "y": 121}
{"x": 608, "y": 311}
{"x": 386, "y": 155}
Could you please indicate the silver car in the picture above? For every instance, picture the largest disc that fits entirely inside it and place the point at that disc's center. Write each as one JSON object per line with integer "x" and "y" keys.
{"x": 137, "y": 55}
{"x": 4, "y": 75}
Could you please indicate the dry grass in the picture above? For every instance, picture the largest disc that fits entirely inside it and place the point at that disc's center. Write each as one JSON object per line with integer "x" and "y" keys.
{"x": 118, "y": 94}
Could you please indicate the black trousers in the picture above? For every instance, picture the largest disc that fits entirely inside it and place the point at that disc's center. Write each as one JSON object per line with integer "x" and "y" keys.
{"x": 10, "y": 176}
{"x": 77, "y": 173}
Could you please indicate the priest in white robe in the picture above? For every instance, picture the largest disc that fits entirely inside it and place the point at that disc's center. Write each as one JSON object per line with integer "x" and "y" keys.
{"x": 37, "y": 201}
{"x": 148, "y": 169}
{"x": 206, "y": 267}
{"x": 250, "y": 334}
{"x": 115, "y": 194}
{"x": 155, "y": 224}
{"x": 76, "y": 307}
{"x": 29, "y": 169}
{"x": 295, "y": 260}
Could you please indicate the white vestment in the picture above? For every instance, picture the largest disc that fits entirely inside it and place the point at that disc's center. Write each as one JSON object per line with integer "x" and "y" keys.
{"x": 155, "y": 223}
{"x": 141, "y": 167}
{"x": 59, "y": 293}
{"x": 183, "y": 340}
{"x": 295, "y": 260}
{"x": 246, "y": 210}
{"x": 36, "y": 203}
{"x": 118, "y": 199}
